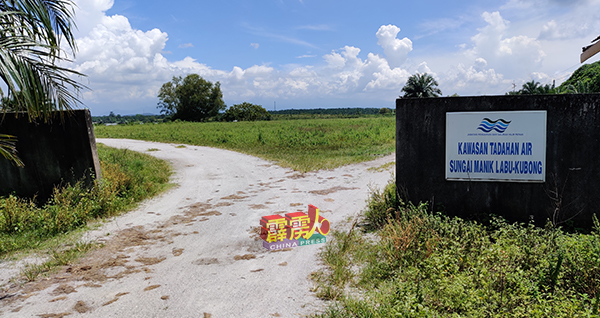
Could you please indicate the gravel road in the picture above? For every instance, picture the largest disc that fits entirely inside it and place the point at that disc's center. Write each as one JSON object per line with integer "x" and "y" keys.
{"x": 194, "y": 251}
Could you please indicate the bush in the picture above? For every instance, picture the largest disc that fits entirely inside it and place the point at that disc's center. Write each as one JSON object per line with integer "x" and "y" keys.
{"x": 246, "y": 112}
{"x": 381, "y": 207}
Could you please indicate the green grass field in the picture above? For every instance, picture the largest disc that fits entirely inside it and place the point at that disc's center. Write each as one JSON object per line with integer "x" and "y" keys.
{"x": 303, "y": 144}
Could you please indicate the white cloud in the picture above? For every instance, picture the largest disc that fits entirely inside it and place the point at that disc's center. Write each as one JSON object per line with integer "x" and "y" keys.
{"x": 475, "y": 79}
{"x": 126, "y": 65}
{"x": 395, "y": 49}
{"x": 185, "y": 45}
{"x": 90, "y": 13}
{"x": 114, "y": 46}
{"x": 515, "y": 56}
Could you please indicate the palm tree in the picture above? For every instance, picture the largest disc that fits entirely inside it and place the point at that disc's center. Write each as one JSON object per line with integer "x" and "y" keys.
{"x": 421, "y": 85}
{"x": 531, "y": 88}
{"x": 31, "y": 32}
{"x": 580, "y": 87}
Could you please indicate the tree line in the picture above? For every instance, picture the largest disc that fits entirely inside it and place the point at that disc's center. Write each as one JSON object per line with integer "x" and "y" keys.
{"x": 192, "y": 98}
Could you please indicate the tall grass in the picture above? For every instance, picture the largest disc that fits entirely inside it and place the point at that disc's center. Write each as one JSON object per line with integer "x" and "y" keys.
{"x": 128, "y": 177}
{"x": 423, "y": 264}
{"x": 303, "y": 145}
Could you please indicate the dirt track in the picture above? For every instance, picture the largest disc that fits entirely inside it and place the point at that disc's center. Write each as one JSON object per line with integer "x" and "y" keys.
{"x": 194, "y": 251}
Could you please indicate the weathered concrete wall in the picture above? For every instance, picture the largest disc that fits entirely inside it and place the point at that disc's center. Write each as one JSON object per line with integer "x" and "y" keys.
{"x": 572, "y": 186}
{"x": 58, "y": 152}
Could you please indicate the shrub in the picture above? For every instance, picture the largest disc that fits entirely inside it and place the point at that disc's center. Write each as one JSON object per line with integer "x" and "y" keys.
{"x": 246, "y": 112}
{"x": 381, "y": 206}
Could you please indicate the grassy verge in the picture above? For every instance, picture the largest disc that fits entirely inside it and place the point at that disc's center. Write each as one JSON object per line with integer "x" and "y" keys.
{"x": 128, "y": 178}
{"x": 414, "y": 263}
{"x": 303, "y": 145}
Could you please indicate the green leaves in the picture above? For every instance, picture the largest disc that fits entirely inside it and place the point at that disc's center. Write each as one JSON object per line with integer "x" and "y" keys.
{"x": 421, "y": 85}
{"x": 30, "y": 55}
{"x": 585, "y": 79}
{"x": 246, "y": 112}
{"x": 425, "y": 264}
{"x": 191, "y": 98}
{"x": 8, "y": 149}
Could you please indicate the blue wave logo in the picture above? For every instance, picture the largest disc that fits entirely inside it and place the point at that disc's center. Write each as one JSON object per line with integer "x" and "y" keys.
{"x": 498, "y": 125}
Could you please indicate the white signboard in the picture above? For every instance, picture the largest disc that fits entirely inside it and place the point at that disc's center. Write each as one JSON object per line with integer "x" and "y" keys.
{"x": 496, "y": 146}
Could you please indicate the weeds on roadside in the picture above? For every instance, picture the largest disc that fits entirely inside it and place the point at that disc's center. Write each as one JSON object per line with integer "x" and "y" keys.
{"x": 128, "y": 177}
{"x": 57, "y": 258}
{"x": 410, "y": 262}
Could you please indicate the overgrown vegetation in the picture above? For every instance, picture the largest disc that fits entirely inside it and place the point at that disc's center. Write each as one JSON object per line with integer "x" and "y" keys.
{"x": 128, "y": 177}
{"x": 303, "y": 145}
{"x": 587, "y": 76}
{"x": 585, "y": 80}
{"x": 412, "y": 262}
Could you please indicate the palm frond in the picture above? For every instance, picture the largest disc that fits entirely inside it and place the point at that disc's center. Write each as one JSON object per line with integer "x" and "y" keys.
{"x": 29, "y": 68}
{"x": 31, "y": 32}
{"x": 8, "y": 149}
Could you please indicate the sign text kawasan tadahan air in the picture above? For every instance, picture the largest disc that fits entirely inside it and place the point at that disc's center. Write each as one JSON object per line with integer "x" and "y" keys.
{"x": 496, "y": 146}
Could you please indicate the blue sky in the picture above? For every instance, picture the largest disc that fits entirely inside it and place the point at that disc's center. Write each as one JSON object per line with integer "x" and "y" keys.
{"x": 321, "y": 53}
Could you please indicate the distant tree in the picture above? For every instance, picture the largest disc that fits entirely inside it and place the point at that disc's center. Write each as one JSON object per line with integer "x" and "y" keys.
{"x": 246, "y": 112}
{"x": 530, "y": 88}
{"x": 547, "y": 89}
{"x": 535, "y": 88}
{"x": 384, "y": 110}
{"x": 421, "y": 85}
{"x": 191, "y": 98}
